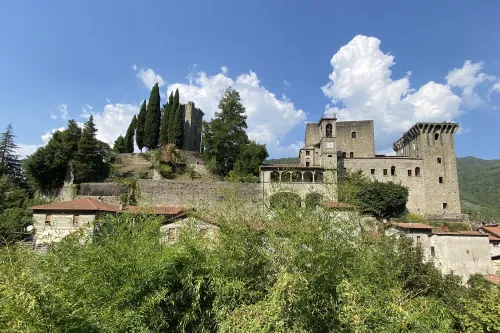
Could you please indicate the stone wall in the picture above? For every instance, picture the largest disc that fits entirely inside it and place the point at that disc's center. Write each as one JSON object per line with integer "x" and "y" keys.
{"x": 60, "y": 226}
{"x": 363, "y": 145}
{"x": 194, "y": 193}
{"x": 192, "y": 127}
{"x": 416, "y": 198}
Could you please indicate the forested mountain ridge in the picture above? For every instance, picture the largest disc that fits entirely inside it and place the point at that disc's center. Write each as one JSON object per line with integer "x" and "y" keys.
{"x": 478, "y": 179}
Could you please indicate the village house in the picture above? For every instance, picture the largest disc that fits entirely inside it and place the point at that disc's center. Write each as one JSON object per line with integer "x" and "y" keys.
{"x": 493, "y": 232}
{"x": 464, "y": 253}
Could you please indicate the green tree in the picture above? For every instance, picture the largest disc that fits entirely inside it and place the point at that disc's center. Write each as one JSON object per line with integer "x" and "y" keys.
{"x": 9, "y": 161}
{"x": 47, "y": 167}
{"x": 250, "y": 158}
{"x": 119, "y": 145}
{"x": 177, "y": 127}
{"x": 225, "y": 133}
{"x": 13, "y": 224}
{"x": 140, "y": 127}
{"x": 90, "y": 161}
{"x": 129, "y": 136}
{"x": 164, "y": 130}
{"x": 153, "y": 119}
{"x": 384, "y": 200}
{"x": 172, "y": 121}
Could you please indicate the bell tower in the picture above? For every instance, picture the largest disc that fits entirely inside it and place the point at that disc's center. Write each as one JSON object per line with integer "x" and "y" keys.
{"x": 328, "y": 143}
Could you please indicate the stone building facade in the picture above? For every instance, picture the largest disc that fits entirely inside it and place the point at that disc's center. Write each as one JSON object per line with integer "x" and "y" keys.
{"x": 425, "y": 161}
{"x": 193, "y": 118}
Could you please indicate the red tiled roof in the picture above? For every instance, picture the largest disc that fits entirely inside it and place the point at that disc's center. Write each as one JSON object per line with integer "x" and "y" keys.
{"x": 412, "y": 226}
{"x": 160, "y": 210}
{"x": 333, "y": 204}
{"x": 492, "y": 278}
{"x": 84, "y": 204}
{"x": 494, "y": 230}
{"x": 493, "y": 238}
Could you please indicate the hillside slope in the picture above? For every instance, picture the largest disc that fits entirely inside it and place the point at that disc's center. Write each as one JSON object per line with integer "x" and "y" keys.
{"x": 479, "y": 182}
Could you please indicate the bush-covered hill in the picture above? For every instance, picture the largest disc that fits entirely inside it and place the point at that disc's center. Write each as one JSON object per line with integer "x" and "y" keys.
{"x": 479, "y": 182}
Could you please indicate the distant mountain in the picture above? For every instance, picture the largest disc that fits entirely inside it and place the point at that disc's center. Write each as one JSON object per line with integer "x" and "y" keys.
{"x": 479, "y": 182}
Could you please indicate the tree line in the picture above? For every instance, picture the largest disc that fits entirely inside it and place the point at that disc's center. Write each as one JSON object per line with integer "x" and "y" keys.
{"x": 155, "y": 125}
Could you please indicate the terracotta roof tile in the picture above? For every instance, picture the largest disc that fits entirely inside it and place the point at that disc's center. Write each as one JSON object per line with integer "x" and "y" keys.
{"x": 458, "y": 233}
{"x": 412, "y": 226}
{"x": 494, "y": 230}
{"x": 84, "y": 204}
{"x": 493, "y": 238}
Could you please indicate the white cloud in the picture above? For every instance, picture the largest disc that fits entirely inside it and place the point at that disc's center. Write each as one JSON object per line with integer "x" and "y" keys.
{"x": 463, "y": 130}
{"x": 52, "y": 116}
{"x": 287, "y": 84}
{"x": 114, "y": 121}
{"x": 63, "y": 108}
{"x": 468, "y": 78}
{"x": 496, "y": 87}
{"x": 24, "y": 150}
{"x": 361, "y": 87}
{"x": 269, "y": 118}
{"x": 148, "y": 77}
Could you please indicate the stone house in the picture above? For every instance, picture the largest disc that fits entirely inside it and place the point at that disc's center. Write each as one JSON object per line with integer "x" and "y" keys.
{"x": 463, "y": 253}
{"x": 55, "y": 221}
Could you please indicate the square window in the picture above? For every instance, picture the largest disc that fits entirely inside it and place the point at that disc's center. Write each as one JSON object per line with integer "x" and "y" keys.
{"x": 385, "y": 172}
{"x": 409, "y": 173}
{"x": 307, "y": 152}
{"x": 445, "y": 205}
{"x": 76, "y": 219}
{"x": 372, "y": 171}
{"x": 307, "y": 164}
{"x": 440, "y": 180}
{"x": 433, "y": 251}
{"x": 439, "y": 160}
{"x": 419, "y": 241}
{"x": 351, "y": 154}
{"x": 48, "y": 219}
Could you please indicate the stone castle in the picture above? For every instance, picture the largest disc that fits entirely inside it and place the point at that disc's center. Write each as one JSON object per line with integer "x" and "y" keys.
{"x": 193, "y": 117}
{"x": 425, "y": 163}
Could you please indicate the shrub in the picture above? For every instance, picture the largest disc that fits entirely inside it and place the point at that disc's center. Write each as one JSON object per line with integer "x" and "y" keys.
{"x": 383, "y": 200}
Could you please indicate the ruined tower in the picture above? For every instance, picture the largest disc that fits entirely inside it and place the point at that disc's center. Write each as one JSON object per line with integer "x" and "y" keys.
{"x": 192, "y": 127}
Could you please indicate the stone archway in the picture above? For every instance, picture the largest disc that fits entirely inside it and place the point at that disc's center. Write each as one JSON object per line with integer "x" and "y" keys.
{"x": 313, "y": 199}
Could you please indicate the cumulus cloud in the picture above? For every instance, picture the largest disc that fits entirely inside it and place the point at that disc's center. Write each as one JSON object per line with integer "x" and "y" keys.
{"x": 114, "y": 120}
{"x": 24, "y": 150}
{"x": 269, "y": 117}
{"x": 496, "y": 87}
{"x": 148, "y": 77}
{"x": 468, "y": 78}
{"x": 46, "y": 137}
{"x": 63, "y": 108}
{"x": 361, "y": 87}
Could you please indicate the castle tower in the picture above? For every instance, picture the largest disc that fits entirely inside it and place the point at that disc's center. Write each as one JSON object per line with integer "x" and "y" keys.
{"x": 434, "y": 144}
{"x": 192, "y": 127}
{"x": 328, "y": 146}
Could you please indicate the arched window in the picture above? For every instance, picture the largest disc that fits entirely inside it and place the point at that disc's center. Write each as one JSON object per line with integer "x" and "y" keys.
{"x": 393, "y": 170}
{"x": 275, "y": 177}
{"x": 285, "y": 177}
{"x": 318, "y": 177}
{"x": 436, "y": 136}
{"x": 351, "y": 154}
{"x": 297, "y": 177}
{"x": 353, "y": 135}
{"x": 344, "y": 155}
{"x": 417, "y": 171}
{"x": 329, "y": 130}
{"x": 308, "y": 177}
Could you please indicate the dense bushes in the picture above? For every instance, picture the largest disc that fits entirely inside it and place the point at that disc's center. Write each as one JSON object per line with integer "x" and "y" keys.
{"x": 294, "y": 271}
{"x": 383, "y": 200}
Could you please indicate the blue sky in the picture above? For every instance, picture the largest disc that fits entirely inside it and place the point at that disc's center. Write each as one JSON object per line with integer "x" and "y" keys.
{"x": 394, "y": 62}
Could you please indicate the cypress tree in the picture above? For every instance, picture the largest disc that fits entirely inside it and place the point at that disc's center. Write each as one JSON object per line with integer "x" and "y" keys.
{"x": 153, "y": 119}
{"x": 177, "y": 127}
{"x": 129, "y": 136}
{"x": 171, "y": 121}
{"x": 165, "y": 120}
{"x": 9, "y": 161}
{"x": 139, "y": 131}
